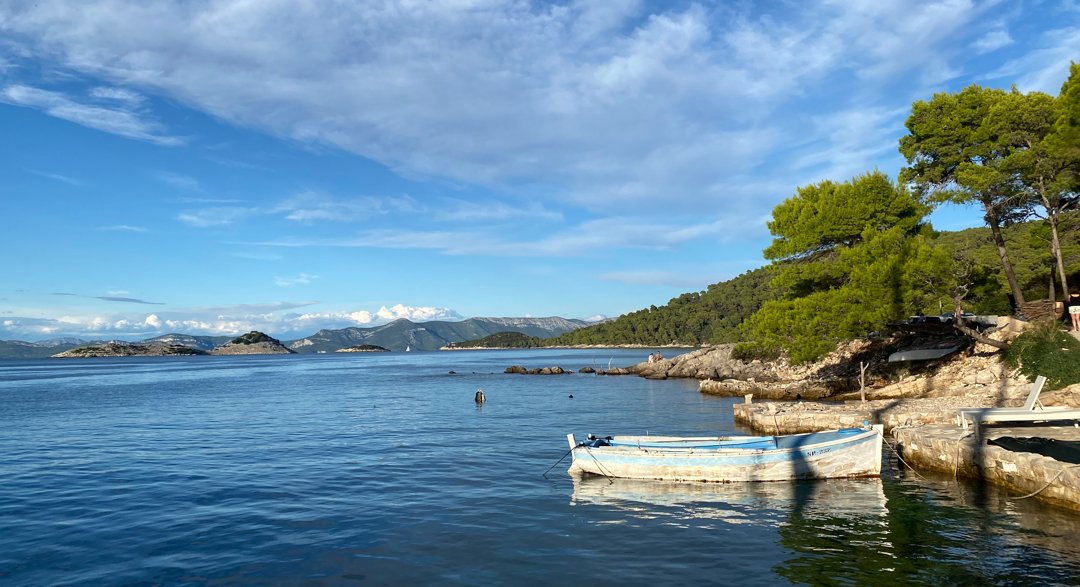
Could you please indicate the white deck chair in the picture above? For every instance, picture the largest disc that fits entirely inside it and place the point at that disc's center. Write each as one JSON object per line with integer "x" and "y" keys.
{"x": 1033, "y": 411}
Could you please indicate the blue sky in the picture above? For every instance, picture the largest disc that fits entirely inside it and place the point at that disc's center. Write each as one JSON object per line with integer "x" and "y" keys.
{"x": 213, "y": 167}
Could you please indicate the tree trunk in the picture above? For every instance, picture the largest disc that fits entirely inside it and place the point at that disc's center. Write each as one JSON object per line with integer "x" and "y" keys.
{"x": 995, "y": 229}
{"x": 1053, "y": 294}
{"x": 958, "y": 322}
{"x": 1055, "y": 246}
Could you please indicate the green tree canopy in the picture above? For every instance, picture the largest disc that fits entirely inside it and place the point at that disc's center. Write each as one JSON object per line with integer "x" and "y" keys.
{"x": 955, "y": 156}
{"x": 823, "y": 216}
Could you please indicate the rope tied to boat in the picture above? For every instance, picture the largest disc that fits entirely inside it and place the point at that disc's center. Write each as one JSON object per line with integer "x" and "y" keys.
{"x": 561, "y": 459}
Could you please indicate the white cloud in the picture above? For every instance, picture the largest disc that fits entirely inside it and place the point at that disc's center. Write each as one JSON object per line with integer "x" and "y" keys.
{"x": 273, "y": 318}
{"x": 583, "y": 240}
{"x": 596, "y": 318}
{"x": 992, "y": 41}
{"x": 614, "y": 104}
{"x": 112, "y": 120}
{"x": 216, "y": 216}
{"x": 301, "y": 279}
{"x": 124, "y": 227}
{"x": 119, "y": 94}
{"x": 118, "y": 292}
{"x": 1046, "y": 68}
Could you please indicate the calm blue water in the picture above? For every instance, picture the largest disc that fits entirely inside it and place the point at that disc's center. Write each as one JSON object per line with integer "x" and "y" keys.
{"x": 378, "y": 469}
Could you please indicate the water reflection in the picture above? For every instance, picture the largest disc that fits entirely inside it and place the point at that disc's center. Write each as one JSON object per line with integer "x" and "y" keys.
{"x": 871, "y": 531}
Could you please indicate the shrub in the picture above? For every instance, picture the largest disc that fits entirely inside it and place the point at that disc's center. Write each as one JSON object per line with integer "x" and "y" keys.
{"x": 1046, "y": 350}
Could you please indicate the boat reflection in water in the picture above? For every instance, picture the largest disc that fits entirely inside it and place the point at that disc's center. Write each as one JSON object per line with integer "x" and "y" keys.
{"x": 733, "y": 502}
{"x": 865, "y": 531}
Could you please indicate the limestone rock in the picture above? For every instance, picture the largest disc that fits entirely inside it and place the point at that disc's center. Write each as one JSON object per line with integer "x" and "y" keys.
{"x": 516, "y": 369}
{"x": 586, "y": 370}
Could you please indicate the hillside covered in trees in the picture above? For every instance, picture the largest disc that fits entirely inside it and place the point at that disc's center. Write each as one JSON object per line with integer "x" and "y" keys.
{"x": 849, "y": 258}
{"x": 694, "y": 318}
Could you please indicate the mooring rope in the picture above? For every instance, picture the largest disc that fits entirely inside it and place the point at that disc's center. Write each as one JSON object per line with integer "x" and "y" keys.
{"x": 610, "y": 478}
{"x": 897, "y": 453}
{"x": 1048, "y": 483}
{"x": 561, "y": 459}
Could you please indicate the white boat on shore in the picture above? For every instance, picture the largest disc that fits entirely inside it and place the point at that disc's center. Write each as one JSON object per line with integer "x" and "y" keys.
{"x": 848, "y": 452}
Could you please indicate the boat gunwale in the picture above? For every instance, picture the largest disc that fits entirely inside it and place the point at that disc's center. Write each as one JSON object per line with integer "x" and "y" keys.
{"x": 734, "y": 452}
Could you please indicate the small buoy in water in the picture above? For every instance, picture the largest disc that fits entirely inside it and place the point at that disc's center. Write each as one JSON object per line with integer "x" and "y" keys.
{"x": 452, "y": 373}
{"x": 571, "y": 397}
{"x": 480, "y": 396}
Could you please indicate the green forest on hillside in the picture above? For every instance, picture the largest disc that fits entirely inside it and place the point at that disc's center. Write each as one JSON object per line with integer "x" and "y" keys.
{"x": 714, "y": 315}
{"x": 849, "y": 258}
{"x": 694, "y": 318}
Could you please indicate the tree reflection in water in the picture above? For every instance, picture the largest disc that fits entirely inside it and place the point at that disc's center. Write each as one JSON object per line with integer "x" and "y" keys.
{"x": 895, "y": 531}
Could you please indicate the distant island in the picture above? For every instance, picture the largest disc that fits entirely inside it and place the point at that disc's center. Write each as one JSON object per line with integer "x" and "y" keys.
{"x": 252, "y": 343}
{"x": 363, "y": 348}
{"x": 393, "y": 336}
{"x": 499, "y": 340}
{"x": 123, "y": 349}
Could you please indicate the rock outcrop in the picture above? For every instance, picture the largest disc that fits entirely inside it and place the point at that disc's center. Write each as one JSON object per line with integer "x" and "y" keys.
{"x": 253, "y": 343}
{"x": 556, "y": 370}
{"x": 123, "y": 349}
{"x": 364, "y": 348}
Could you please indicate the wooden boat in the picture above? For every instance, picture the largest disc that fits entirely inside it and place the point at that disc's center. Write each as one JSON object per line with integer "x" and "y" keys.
{"x": 848, "y": 452}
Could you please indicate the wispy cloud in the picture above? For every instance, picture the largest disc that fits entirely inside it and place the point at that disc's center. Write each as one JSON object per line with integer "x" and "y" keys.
{"x": 217, "y": 216}
{"x": 119, "y": 292}
{"x": 56, "y": 176}
{"x": 124, "y": 227}
{"x": 127, "y": 300}
{"x": 63, "y": 294}
{"x": 616, "y": 104}
{"x": 117, "y": 121}
{"x": 1045, "y": 68}
{"x": 258, "y": 256}
{"x": 992, "y": 41}
{"x": 465, "y": 211}
{"x": 301, "y": 279}
{"x": 183, "y": 182}
{"x": 584, "y": 240}
{"x": 667, "y": 278}
{"x": 119, "y": 94}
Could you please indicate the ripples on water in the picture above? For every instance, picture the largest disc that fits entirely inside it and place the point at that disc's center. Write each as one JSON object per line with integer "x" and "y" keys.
{"x": 379, "y": 469}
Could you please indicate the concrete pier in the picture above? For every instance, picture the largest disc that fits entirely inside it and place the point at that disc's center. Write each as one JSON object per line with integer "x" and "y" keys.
{"x": 799, "y": 417}
{"x": 948, "y": 448}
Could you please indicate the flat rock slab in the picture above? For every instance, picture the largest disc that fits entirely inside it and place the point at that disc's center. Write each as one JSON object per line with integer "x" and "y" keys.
{"x": 949, "y": 449}
{"x": 800, "y": 417}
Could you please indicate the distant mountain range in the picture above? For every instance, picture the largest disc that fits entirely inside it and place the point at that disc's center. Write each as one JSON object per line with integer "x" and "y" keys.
{"x": 396, "y": 336}
{"x": 429, "y": 336}
{"x": 203, "y": 343}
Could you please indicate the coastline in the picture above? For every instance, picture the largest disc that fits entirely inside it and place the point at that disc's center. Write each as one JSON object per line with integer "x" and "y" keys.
{"x": 576, "y": 346}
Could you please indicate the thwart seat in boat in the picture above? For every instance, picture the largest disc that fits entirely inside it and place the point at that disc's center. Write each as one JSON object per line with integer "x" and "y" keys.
{"x": 850, "y": 452}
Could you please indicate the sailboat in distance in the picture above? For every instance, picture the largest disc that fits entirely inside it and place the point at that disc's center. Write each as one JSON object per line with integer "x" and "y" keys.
{"x": 407, "y": 349}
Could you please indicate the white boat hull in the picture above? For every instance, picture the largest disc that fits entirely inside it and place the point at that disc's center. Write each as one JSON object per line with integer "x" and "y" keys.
{"x": 807, "y": 456}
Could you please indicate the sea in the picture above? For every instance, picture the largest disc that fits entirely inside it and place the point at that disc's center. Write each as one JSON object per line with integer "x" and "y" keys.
{"x": 380, "y": 469}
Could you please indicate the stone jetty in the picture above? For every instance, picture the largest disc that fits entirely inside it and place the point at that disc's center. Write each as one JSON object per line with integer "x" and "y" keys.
{"x": 950, "y": 449}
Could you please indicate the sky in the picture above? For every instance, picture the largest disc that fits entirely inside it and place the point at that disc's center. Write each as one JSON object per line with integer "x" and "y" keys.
{"x": 218, "y": 166}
